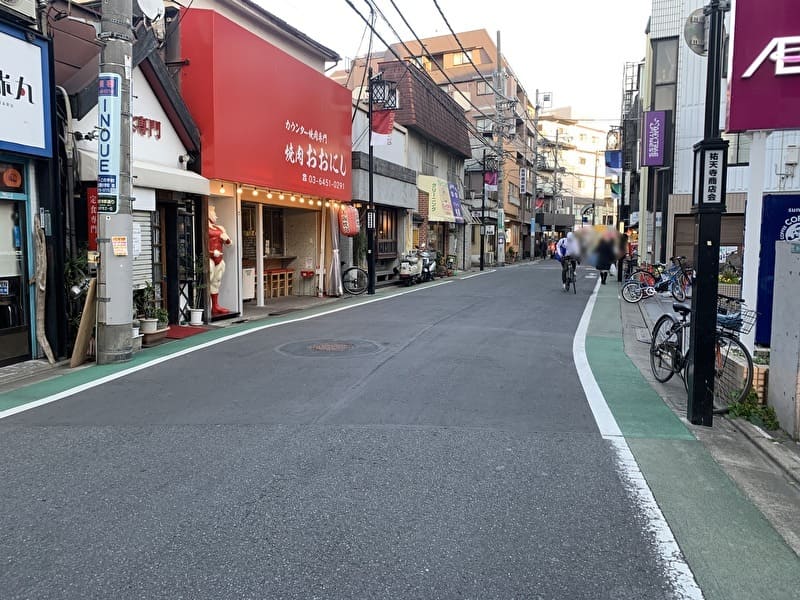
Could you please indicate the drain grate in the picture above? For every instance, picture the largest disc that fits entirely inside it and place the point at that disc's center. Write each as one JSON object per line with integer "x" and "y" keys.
{"x": 331, "y": 348}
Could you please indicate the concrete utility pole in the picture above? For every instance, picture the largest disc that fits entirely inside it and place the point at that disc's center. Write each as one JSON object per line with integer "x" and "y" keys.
{"x": 115, "y": 228}
{"x": 499, "y": 99}
{"x": 535, "y": 172}
{"x": 554, "y": 207}
{"x": 483, "y": 210}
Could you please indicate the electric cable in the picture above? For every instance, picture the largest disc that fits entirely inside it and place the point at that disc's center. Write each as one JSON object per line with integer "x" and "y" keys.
{"x": 371, "y": 27}
{"x": 419, "y": 76}
{"x": 460, "y": 45}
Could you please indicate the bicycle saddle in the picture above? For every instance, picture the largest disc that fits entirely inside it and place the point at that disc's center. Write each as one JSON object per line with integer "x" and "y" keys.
{"x": 681, "y": 308}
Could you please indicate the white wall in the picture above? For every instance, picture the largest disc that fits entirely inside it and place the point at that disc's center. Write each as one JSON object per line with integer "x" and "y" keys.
{"x": 396, "y": 152}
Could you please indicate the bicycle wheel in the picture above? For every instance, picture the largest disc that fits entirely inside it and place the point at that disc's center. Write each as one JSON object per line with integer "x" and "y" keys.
{"x": 354, "y": 281}
{"x": 632, "y": 292}
{"x": 677, "y": 290}
{"x": 733, "y": 372}
{"x": 646, "y": 278}
{"x": 665, "y": 348}
{"x": 574, "y": 278}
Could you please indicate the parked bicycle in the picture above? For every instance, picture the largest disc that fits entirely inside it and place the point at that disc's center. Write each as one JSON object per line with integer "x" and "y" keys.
{"x": 647, "y": 280}
{"x": 670, "y": 350}
{"x": 354, "y": 280}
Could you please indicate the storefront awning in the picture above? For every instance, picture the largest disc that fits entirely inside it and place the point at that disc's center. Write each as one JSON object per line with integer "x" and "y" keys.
{"x": 151, "y": 175}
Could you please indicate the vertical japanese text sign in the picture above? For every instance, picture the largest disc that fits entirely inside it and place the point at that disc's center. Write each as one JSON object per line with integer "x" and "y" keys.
{"x": 109, "y": 116}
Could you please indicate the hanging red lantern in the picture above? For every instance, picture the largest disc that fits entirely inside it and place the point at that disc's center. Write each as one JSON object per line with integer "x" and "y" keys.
{"x": 349, "y": 224}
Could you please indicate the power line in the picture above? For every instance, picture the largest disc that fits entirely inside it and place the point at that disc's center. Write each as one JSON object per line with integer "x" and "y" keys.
{"x": 358, "y": 51}
{"x": 469, "y": 58}
{"x": 371, "y": 27}
{"x": 427, "y": 53}
{"x": 415, "y": 73}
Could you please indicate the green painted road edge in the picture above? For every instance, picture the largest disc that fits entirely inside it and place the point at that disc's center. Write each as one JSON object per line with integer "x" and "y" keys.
{"x": 730, "y": 546}
{"x": 86, "y": 375}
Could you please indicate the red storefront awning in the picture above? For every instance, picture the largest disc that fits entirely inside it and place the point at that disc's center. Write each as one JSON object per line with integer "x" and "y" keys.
{"x": 265, "y": 117}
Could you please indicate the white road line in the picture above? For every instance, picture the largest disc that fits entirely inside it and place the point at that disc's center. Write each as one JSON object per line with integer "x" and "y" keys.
{"x": 156, "y": 361}
{"x": 477, "y": 274}
{"x": 677, "y": 571}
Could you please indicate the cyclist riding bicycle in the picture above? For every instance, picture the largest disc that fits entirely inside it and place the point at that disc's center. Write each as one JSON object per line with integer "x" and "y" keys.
{"x": 568, "y": 249}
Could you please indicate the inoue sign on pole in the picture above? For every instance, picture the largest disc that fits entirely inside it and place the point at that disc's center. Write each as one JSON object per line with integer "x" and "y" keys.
{"x": 109, "y": 115}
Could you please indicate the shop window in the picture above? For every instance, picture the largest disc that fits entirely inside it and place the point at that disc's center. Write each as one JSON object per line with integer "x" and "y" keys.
{"x": 273, "y": 232}
{"x": 386, "y": 222}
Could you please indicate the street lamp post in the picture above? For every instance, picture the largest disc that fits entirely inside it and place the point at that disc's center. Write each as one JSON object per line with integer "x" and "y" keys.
{"x": 384, "y": 93}
{"x": 710, "y": 171}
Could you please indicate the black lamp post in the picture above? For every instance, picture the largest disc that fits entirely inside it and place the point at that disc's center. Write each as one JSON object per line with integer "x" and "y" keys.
{"x": 710, "y": 174}
{"x": 385, "y": 94}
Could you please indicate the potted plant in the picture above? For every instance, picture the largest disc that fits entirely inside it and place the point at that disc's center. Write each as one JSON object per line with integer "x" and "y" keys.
{"x": 730, "y": 284}
{"x": 144, "y": 302}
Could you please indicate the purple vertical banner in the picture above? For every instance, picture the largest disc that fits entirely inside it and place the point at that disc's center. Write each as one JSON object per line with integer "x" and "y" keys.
{"x": 455, "y": 200}
{"x": 653, "y": 135}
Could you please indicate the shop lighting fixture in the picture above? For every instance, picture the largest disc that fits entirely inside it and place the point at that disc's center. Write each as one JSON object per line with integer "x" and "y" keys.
{"x": 221, "y": 188}
{"x": 269, "y": 195}
{"x": 255, "y": 192}
{"x": 292, "y": 198}
{"x": 240, "y": 189}
{"x": 302, "y": 200}
{"x": 281, "y": 196}
{"x": 327, "y": 203}
{"x": 319, "y": 202}
{"x": 358, "y": 204}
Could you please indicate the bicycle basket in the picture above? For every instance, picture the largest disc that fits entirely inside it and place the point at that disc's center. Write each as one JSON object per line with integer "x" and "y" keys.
{"x": 734, "y": 316}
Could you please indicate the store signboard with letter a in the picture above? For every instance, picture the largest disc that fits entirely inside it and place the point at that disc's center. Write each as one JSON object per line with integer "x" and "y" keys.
{"x": 765, "y": 77}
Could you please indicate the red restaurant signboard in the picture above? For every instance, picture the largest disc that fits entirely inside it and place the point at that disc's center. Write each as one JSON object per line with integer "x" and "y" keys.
{"x": 265, "y": 117}
{"x": 765, "y": 79}
{"x": 91, "y": 217}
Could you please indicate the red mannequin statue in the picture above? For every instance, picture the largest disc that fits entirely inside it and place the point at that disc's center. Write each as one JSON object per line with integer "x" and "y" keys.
{"x": 217, "y": 238}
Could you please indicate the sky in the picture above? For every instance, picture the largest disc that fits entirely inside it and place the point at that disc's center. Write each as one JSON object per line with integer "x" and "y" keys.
{"x": 575, "y": 49}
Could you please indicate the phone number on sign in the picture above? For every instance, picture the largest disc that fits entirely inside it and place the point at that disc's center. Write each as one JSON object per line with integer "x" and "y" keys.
{"x": 322, "y": 181}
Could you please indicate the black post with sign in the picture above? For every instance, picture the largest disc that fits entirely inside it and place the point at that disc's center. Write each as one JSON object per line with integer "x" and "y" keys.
{"x": 385, "y": 94}
{"x": 710, "y": 181}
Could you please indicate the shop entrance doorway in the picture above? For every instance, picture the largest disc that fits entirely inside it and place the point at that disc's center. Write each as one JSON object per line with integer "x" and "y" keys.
{"x": 15, "y": 333}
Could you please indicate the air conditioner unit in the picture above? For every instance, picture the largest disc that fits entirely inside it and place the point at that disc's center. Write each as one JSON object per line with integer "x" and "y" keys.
{"x": 19, "y": 10}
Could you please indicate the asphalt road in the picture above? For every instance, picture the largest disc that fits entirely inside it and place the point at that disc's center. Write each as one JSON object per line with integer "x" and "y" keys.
{"x": 433, "y": 445}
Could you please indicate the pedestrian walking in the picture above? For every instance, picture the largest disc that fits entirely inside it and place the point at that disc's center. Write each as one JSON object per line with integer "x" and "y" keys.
{"x": 606, "y": 255}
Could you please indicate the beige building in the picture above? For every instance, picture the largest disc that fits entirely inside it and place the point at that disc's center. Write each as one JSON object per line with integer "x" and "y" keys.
{"x": 580, "y": 182}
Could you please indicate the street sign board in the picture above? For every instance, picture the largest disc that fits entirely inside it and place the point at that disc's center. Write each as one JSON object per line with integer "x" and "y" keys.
{"x": 109, "y": 117}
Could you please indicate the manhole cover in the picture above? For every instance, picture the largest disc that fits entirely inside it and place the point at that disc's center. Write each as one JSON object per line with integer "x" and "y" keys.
{"x": 333, "y": 348}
